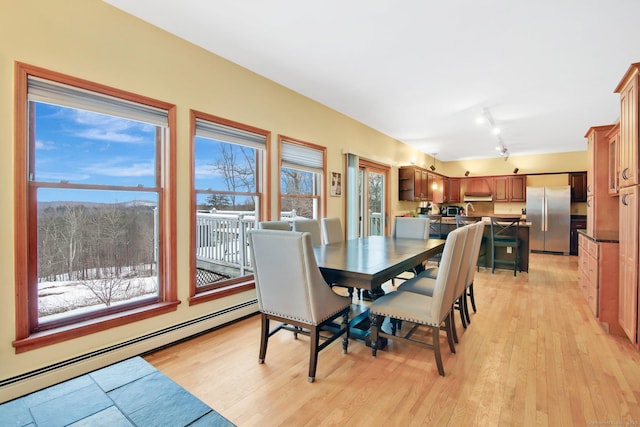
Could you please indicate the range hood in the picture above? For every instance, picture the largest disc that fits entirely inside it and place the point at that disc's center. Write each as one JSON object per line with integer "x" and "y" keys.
{"x": 478, "y": 197}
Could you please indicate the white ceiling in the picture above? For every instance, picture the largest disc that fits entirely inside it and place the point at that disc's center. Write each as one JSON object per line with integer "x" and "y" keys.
{"x": 422, "y": 71}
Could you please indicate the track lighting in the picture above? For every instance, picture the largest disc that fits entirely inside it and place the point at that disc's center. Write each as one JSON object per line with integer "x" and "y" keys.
{"x": 487, "y": 117}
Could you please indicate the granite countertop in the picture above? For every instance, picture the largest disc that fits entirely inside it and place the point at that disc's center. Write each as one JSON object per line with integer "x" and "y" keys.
{"x": 605, "y": 236}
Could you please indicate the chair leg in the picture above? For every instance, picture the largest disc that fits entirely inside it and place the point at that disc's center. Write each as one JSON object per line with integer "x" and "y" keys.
{"x": 472, "y": 298}
{"x": 463, "y": 319}
{"x": 314, "y": 335}
{"x": 450, "y": 329}
{"x": 493, "y": 259}
{"x": 452, "y": 326}
{"x": 466, "y": 307}
{"x": 264, "y": 338}
{"x": 436, "y": 348}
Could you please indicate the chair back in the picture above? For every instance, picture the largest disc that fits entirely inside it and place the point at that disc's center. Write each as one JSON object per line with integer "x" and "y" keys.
{"x": 462, "y": 220}
{"x": 332, "y": 230}
{"x": 294, "y": 289}
{"x": 311, "y": 226}
{"x": 435, "y": 226}
{"x": 477, "y": 243}
{"x": 504, "y": 229}
{"x": 445, "y": 284}
{"x": 465, "y": 260}
{"x": 411, "y": 228}
{"x": 274, "y": 225}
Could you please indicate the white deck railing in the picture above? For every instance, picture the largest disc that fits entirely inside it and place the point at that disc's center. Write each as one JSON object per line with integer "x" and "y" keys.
{"x": 221, "y": 238}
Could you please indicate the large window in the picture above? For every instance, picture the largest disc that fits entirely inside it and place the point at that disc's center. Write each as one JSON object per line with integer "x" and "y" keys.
{"x": 302, "y": 172}
{"x": 228, "y": 166}
{"x": 94, "y": 206}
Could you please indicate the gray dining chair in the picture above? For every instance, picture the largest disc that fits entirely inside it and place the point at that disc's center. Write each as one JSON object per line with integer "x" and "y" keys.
{"x": 295, "y": 293}
{"x": 425, "y": 285}
{"x": 433, "y": 311}
{"x": 410, "y": 228}
{"x": 310, "y": 226}
{"x": 332, "y": 230}
{"x": 274, "y": 225}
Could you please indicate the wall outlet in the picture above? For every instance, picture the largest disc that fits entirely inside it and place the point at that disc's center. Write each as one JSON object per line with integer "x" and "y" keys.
{"x": 509, "y": 249}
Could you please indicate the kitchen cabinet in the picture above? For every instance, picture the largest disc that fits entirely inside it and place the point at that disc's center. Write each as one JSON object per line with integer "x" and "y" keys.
{"x": 454, "y": 190}
{"x": 602, "y": 209}
{"x": 628, "y": 148}
{"x": 440, "y": 188}
{"x": 578, "y": 184}
{"x": 598, "y": 279}
{"x": 614, "y": 160}
{"x": 413, "y": 184}
{"x": 510, "y": 188}
{"x": 628, "y": 262}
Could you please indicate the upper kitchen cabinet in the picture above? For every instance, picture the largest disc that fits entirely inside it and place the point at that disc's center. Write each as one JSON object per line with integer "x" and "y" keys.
{"x": 628, "y": 149}
{"x": 578, "y": 184}
{"x": 413, "y": 184}
{"x": 614, "y": 159}
{"x": 439, "y": 194}
{"x": 602, "y": 209}
{"x": 454, "y": 190}
{"x": 510, "y": 188}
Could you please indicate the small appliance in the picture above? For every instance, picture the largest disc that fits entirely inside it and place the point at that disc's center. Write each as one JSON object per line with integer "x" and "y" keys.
{"x": 451, "y": 211}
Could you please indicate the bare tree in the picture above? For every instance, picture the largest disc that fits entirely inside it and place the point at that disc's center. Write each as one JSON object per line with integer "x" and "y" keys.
{"x": 236, "y": 165}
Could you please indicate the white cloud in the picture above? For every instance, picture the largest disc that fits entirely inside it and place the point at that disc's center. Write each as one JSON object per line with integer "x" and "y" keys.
{"x": 45, "y": 145}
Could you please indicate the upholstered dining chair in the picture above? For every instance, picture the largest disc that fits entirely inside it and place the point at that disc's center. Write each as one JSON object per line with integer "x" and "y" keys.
{"x": 432, "y": 311}
{"x": 332, "y": 230}
{"x": 274, "y": 225}
{"x": 425, "y": 285}
{"x": 310, "y": 226}
{"x": 294, "y": 292}
{"x": 410, "y": 228}
{"x": 462, "y": 220}
{"x": 472, "y": 271}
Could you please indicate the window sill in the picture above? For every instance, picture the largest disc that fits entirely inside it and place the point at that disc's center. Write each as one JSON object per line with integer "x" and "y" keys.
{"x": 222, "y": 292}
{"x": 58, "y": 335}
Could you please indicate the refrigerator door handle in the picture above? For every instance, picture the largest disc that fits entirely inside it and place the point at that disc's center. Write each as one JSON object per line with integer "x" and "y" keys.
{"x": 545, "y": 215}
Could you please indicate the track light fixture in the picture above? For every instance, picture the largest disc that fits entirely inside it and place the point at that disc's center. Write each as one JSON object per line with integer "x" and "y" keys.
{"x": 487, "y": 117}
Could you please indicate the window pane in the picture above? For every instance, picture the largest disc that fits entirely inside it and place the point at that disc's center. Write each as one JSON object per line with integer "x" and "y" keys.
{"x": 222, "y": 238}
{"x": 225, "y": 167}
{"x": 299, "y": 207}
{"x": 96, "y": 249}
{"x": 296, "y": 181}
{"x": 84, "y": 147}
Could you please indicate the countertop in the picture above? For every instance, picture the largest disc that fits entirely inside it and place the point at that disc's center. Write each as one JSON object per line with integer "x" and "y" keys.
{"x": 485, "y": 219}
{"x": 602, "y": 236}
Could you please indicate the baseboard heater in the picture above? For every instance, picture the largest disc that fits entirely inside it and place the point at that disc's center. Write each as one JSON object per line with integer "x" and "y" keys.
{"x": 137, "y": 340}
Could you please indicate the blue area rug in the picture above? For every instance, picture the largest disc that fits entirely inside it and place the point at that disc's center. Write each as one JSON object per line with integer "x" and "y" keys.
{"x": 129, "y": 393}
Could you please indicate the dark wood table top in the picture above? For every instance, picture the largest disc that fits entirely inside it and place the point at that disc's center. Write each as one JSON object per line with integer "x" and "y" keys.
{"x": 368, "y": 262}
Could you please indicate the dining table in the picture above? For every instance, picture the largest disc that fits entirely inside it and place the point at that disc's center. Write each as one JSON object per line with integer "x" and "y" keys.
{"x": 368, "y": 262}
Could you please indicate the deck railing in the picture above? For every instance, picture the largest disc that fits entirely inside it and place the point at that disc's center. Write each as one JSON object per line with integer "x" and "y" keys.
{"x": 222, "y": 239}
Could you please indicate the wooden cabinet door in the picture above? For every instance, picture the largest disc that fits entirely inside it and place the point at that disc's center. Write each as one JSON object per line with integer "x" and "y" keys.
{"x": 446, "y": 185}
{"x": 628, "y": 286}
{"x": 578, "y": 183}
{"x": 628, "y": 149}
{"x": 591, "y": 142}
{"x": 501, "y": 189}
{"x": 418, "y": 194}
{"x": 519, "y": 188}
{"x": 454, "y": 190}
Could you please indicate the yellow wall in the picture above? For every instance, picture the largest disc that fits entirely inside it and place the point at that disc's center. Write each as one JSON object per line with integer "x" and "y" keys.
{"x": 89, "y": 39}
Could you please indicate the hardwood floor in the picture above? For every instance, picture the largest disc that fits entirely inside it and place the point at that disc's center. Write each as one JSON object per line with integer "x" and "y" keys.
{"x": 532, "y": 355}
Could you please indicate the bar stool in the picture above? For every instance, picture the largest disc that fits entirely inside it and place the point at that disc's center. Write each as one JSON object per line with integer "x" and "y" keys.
{"x": 504, "y": 234}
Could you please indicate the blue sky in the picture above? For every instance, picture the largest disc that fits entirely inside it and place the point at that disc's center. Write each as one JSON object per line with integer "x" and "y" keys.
{"x": 83, "y": 147}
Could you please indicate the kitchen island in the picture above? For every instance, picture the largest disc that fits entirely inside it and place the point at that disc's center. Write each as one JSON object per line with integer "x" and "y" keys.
{"x": 449, "y": 224}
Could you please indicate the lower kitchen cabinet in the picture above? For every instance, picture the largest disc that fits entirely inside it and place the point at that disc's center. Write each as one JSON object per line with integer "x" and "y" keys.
{"x": 598, "y": 271}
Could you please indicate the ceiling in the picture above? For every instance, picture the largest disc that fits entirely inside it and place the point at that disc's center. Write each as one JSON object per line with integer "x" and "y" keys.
{"x": 423, "y": 71}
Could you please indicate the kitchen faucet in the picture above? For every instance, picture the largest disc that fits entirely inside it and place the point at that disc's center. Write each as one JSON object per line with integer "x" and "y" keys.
{"x": 467, "y": 206}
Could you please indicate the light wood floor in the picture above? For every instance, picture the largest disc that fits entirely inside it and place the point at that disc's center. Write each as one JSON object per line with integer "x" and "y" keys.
{"x": 533, "y": 355}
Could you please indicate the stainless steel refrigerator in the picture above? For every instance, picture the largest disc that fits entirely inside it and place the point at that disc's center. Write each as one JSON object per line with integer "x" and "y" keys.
{"x": 549, "y": 212}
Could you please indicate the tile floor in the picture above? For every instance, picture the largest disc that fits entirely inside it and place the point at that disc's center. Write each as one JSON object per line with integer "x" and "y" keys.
{"x": 129, "y": 393}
